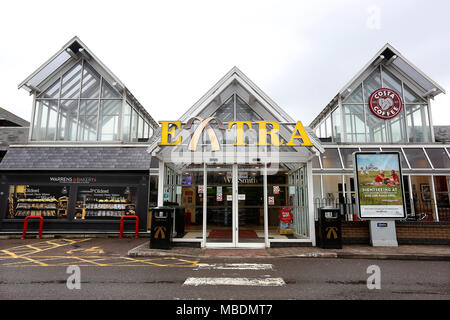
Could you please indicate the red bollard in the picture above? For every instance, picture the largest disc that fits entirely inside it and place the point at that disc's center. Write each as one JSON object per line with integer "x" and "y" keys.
{"x": 121, "y": 225}
{"x": 25, "y": 225}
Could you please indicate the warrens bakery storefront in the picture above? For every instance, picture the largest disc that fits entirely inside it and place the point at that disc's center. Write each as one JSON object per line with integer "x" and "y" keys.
{"x": 245, "y": 172}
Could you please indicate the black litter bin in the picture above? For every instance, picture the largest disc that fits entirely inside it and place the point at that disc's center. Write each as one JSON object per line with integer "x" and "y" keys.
{"x": 161, "y": 228}
{"x": 330, "y": 228}
{"x": 179, "y": 221}
{"x": 178, "y": 218}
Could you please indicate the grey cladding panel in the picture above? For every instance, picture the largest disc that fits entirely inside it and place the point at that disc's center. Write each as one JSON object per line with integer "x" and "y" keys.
{"x": 76, "y": 158}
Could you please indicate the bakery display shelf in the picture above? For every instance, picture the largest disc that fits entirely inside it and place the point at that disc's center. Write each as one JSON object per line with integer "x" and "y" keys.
{"x": 104, "y": 209}
{"x": 39, "y": 209}
{"x": 36, "y": 201}
{"x": 103, "y": 217}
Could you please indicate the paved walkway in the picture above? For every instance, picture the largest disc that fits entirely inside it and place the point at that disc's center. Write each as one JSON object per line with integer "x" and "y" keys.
{"x": 404, "y": 252}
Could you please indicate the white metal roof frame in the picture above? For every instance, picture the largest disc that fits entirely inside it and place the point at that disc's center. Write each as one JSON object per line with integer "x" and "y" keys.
{"x": 61, "y": 58}
{"x": 236, "y": 75}
{"x": 405, "y": 67}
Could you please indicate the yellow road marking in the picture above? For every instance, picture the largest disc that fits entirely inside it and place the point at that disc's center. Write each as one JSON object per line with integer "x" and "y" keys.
{"x": 94, "y": 261}
{"x": 88, "y": 261}
{"x": 26, "y": 250}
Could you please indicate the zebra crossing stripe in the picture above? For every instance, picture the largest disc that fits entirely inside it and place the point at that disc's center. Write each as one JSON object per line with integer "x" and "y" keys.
{"x": 260, "y": 282}
{"x": 233, "y": 266}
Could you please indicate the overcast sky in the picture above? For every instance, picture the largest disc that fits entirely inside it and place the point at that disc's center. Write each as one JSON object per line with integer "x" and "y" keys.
{"x": 169, "y": 53}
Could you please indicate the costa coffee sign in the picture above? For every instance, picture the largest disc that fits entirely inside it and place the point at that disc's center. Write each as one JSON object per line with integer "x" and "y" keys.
{"x": 385, "y": 103}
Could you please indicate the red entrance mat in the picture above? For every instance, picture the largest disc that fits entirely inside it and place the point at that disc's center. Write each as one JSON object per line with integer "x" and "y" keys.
{"x": 226, "y": 234}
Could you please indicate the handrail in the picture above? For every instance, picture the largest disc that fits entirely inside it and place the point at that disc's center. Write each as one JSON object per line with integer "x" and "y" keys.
{"x": 121, "y": 225}
{"x": 25, "y": 225}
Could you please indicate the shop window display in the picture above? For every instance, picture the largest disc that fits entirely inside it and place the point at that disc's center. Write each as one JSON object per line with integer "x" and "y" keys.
{"x": 45, "y": 201}
{"x": 105, "y": 202}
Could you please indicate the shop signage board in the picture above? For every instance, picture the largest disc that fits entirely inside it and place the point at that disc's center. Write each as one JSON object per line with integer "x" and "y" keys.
{"x": 385, "y": 103}
{"x": 169, "y": 136}
{"x": 379, "y": 185}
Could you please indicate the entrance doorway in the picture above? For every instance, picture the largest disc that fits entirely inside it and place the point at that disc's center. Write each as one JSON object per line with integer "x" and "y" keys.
{"x": 235, "y": 206}
{"x": 241, "y": 205}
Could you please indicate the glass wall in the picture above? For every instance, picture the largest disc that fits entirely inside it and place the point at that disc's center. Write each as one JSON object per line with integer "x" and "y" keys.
{"x": 105, "y": 202}
{"x": 360, "y": 125}
{"x": 442, "y": 189}
{"x": 423, "y": 198}
{"x": 83, "y": 106}
{"x": 34, "y": 200}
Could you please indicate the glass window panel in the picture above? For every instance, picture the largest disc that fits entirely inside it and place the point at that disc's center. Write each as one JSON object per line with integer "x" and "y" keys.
{"x": 87, "y": 122}
{"x": 416, "y": 158}
{"x": 105, "y": 202}
{"x": 91, "y": 83}
{"x": 108, "y": 91}
{"x": 347, "y": 156}
{"x": 330, "y": 159}
{"x": 411, "y": 97}
{"x": 109, "y": 125}
{"x": 134, "y": 125}
{"x": 52, "y": 120}
{"x": 317, "y": 187}
{"x": 423, "y": 198}
{"x": 126, "y": 122}
{"x": 336, "y": 116}
{"x": 376, "y": 128}
{"x": 36, "y": 200}
{"x": 140, "y": 127}
{"x": 354, "y": 123}
{"x": 226, "y": 111}
{"x": 356, "y": 96}
{"x": 71, "y": 83}
{"x": 403, "y": 161}
{"x": 442, "y": 188}
{"x": 315, "y": 163}
{"x": 328, "y": 127}
{"x": 36, "y": 123}
{"x": 438, "y": 157}
{"x": 45, "y": 120}
{"x": 418, "y": 123}
{"x": 370, "y": 149}
{"x": 67, "y": 123}
{"x": 391, "y": 82}
{"x": 150, "y": 131}
{"x": 244, "y": 112}
{"x": 397, "y": 129}
{"x": 372, "y": 83}
{"x": 52, "y": 92}
{"x": 145, "y": 130}
{"x": 330, "y": 188}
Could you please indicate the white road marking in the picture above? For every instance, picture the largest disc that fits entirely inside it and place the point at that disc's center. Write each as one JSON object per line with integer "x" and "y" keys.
{"x": 267, "y": 282}
{"x": 233, "y": 266}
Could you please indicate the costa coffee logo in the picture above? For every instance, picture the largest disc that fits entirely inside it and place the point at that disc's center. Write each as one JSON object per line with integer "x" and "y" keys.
{"x": 385, "y": 103}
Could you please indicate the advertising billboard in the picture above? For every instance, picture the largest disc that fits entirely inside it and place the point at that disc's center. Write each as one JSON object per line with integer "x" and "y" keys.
{"x": 379, "y": 185}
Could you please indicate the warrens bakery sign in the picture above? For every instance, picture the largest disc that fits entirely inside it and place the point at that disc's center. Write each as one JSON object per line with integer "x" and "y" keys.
{"x": 266, "y": 129}
{"x": 385, "y": 103}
